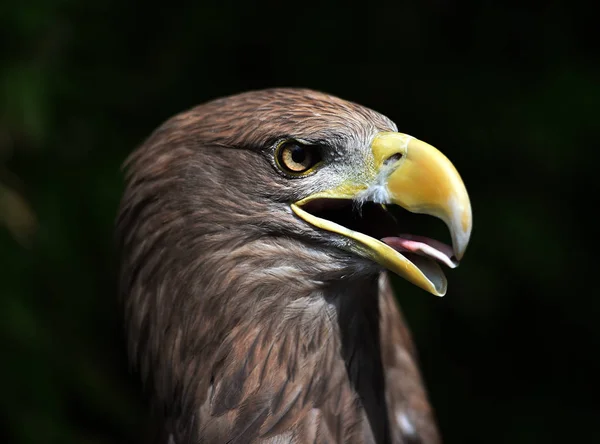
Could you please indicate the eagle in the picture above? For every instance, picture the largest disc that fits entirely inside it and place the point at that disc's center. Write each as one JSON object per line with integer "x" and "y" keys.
{"x": 256, "y": 234}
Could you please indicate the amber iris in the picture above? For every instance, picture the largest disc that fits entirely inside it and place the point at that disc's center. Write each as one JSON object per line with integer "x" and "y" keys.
{"x": 296, "y": 158}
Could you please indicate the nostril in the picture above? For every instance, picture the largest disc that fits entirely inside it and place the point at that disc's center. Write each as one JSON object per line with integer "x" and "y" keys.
{"x": 392, "y": 159}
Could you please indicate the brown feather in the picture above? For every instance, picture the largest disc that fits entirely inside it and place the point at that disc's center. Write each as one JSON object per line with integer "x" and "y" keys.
{"x": 246, "y": 324}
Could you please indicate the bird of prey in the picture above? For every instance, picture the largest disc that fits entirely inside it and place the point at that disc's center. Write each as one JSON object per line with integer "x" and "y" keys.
{"x": 256, "y": 232}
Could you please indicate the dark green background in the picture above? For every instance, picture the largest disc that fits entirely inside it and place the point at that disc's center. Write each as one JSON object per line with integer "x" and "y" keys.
{"x": 510, "y": 93}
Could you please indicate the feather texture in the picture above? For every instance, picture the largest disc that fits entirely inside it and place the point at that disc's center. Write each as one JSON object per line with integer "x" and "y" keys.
{"x": 246, "y": 324}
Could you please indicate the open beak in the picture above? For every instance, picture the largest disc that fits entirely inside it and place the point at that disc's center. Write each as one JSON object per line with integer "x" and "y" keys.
{"x": 419, "y": 178}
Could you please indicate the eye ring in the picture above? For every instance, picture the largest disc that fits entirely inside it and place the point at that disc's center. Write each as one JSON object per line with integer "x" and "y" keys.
{"x": 296, "y": 158}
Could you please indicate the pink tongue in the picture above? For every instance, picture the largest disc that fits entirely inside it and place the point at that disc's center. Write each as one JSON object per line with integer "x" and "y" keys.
{"x": 423, "y": 246}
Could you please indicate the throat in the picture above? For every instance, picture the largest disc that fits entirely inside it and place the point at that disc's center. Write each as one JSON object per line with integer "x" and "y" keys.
{"x": 291, "y": 343}
{"x": 358, "y": 320}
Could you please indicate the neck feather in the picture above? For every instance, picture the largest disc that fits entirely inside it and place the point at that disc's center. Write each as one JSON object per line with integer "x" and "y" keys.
{"x": 262, "y": 321}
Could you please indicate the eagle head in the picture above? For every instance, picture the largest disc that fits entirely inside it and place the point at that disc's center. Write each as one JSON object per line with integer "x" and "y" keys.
{"x": 247, "y": 226}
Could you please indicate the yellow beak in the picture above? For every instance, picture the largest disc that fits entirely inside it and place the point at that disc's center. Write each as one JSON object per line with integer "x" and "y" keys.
{"x": 426, "y": 182}
{"x": 420, "y": 179}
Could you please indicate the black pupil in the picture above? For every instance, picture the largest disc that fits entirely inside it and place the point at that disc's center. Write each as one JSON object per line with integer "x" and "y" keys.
{"x": 298, "y": 154}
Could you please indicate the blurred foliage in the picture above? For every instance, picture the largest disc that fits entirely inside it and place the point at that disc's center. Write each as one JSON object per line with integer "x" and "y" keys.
{"x": 509, "y": 92}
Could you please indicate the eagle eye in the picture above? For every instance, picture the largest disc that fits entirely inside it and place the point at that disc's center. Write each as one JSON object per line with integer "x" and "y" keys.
{"x": 296, "y": 158}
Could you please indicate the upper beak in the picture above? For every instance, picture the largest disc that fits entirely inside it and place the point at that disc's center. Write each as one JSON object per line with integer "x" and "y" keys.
{"x": 425, "y": 181}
